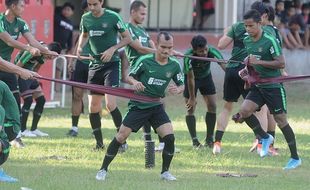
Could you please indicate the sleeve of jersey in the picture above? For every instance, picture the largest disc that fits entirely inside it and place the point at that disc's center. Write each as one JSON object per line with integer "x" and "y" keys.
{"x": 216, "y": 53}
{"x": 275, "y": 49}
{"x": 178, "y": 78}
{"x": 82, "y": 27}
{"x": 231, "y": 32}
{"x": 24, "y": 26}
{"x": 1, "y": 27}
{"x": 133, "y": 36}
{"x": 121, "y": 27}
{"x": 137, "y": 69}
{"x": 186, "y": 65}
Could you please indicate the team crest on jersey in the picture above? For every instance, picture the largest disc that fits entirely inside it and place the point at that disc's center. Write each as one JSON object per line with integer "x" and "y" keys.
{"x": 168, "y": 74}
{"x": 260, "y": 49}
{"x": 16, "y": 30}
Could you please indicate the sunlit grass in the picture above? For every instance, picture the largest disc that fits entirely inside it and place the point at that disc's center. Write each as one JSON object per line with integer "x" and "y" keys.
{"x": 194, "y": 169}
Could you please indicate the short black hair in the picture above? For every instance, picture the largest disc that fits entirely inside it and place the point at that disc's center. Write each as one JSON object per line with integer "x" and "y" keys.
{"x": 136, "y": 5}
{"x": 271, "y": 14}
{"x": 84, "y": 4}
{"x": 54, "y": 46}
{"x": 261, "y": 7}
{"x": 198, "y": 41}
{"x": 252, "y": 14}
{"x": 8, "y": 3}
{"x": 167, "y": 36}
{"x": 68, "y": 4}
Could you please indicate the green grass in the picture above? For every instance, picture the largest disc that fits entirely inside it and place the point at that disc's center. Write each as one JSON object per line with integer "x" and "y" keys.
{"x": 194, "y": 169}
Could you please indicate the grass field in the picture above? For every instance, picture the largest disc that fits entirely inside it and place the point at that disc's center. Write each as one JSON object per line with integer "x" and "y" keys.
{"x": 193, "y": 169}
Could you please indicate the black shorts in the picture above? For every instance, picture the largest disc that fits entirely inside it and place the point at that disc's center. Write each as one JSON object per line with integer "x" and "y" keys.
{"x": 10, "y": 79}
{"x": 234, "y": 85}
{"x": 80, "y": 73}
{"x": 204, "y": 85}
{"x": 106, "y": 74}
{"x": 274, "y": 98}
{"x": 135, "y": 118}
{"x": 28, "y": 86}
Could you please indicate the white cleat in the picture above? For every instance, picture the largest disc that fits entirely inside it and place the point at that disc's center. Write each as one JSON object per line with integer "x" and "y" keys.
{"x": 167, "y": 176}
{"x": 101, "y": 174}
{"x": 28, "y": 133}
{"x": 216, "y": 148}
{"x": 39, "y": 133}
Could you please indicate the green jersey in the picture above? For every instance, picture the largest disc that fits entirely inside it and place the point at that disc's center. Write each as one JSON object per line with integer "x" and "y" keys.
{"x": 200, "y": 68}
{"x": 103, "y": 32}
{"x": 266, "y": 48}
{"x": 273, "y": 31}
{"x": 155, "y": 77}
{"x": 29, "y": 62}
{"x": 14, "y": 29}
{"x": 137, "y": 32}
{"x": 237, "y": 32}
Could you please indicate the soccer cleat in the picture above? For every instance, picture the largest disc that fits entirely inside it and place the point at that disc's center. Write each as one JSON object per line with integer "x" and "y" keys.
{"x": 209, "y": 143}
{"x": 72, "y": 133}
{"x": 217, "y": 148}
{"x": 292, "y": 164}
{"x": 39, "y": 133}
{"x": 197, "y": 144}
{"x": 6, "y": 178}
{"x": 254, "y": 146}
{"x": 160, "y": 147}
{"x": 273, "y": 151}
{"x": 167, "y": 176}
{"x": 123, "y": 148}
{"x": 98, "y": 148}
{"x": 265, "y": 145}
{"x": 237, "y": 118}
{"x": 28, "y": 133}
{"x": 18, "y": 143}
{"x": 259, "y": 148}
{"x": 101, "y": 174}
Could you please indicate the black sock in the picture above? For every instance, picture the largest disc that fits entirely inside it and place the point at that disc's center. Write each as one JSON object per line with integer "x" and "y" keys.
{"x": 23, "y": 119}
{"x": 191, "y": 125}
{"x": 254, "y": 124}
{"x": 161, "y": 140}
{"x": 117, "y": 117}
{"x": 35, "y": 120}
{"x": 290, "y": 139}
{"x": 75, "y": 120}
{"x": 219, "y": 135}
{"x": 147, "y": 131}
{"x": 95, "y": 122}
{"x": 37, "y": 112}
{"x": 210, "y": 120}
{"x": 168, "y": 152}
{"x": 110, "y": 155}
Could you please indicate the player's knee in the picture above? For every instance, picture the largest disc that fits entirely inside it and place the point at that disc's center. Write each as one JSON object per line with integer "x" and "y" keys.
{"x": 27, "y": 103}
{"x": 212, "y": 107}
{"x": 245, "y": 113}
{"x": 110, "y": 106}
{"x": 121, "y": 137}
